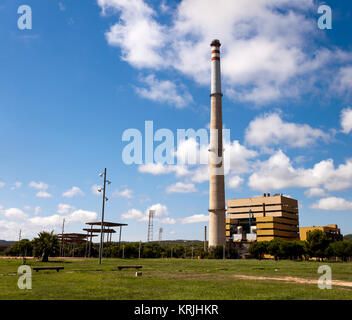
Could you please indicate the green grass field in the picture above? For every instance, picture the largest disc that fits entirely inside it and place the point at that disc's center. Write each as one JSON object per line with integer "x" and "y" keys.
{"x": 174, "y": 279}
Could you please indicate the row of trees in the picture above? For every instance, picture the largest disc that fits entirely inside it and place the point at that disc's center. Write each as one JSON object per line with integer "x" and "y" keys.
{"x": 318, "y": 245}
{"x": 47, "y": 244}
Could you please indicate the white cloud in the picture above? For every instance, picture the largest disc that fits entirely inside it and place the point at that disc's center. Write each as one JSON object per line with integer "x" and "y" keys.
{"x": 74, "y": 191}
{"x": 278, "y": 173}
{"x": 138, "y": 35}
{"x": 315, "y": 192}
{"x": 38, "y": 185}
{"x": 164, "y": 91}
{"x": 64, "y": 208}
{"x": 168, "y": 220}
{"x": 43, "y": 194}
{"x": 346, "y": 119}
{"x": 273, "y": 53}
{"x": 343, "y": 80}
{"x": 134, "y": 214}
{"x": 126, "y": 193}
{"x": 270, "y": 130}
{"x": 82, "y": 216}
{"x": 55, "y": 220}
{"x": 332, "y": 203}
{"x": 37, "y": 210}
{"x": 160, "y": 210}
{"x": 181, "y": 187}
{"x": 14, "y": 213}
{"x": 195, "y": 219}
{"x": 159, "y": 169}
{"x": 2, "y": 184}
{"x": 234, "y": 182}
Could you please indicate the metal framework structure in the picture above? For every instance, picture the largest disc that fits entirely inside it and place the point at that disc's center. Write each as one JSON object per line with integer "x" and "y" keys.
{"x": 105, "y": 228}
{"x": 72, "y": 239}
{"x": 160, "y": 235}
{"x": 150, "y": 225}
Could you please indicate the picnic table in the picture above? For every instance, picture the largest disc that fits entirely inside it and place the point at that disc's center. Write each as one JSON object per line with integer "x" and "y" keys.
{"x": 48, "y": 268}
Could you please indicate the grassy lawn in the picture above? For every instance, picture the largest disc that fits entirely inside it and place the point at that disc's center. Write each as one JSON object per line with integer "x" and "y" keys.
{"x": 173, "y": 279}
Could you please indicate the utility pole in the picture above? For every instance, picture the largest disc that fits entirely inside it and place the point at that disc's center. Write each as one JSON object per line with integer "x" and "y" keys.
{"x": 123, "y": 251}
{"x": 205, "y": 239}
{"x": 62, "y": 238}
{"x": 192, "y": 252}
{"x": 102, "y": 216}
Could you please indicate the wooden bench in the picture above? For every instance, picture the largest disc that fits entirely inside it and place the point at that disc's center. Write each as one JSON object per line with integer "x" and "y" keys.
{"x": 48, "y": 268}
{"x": 129, "y": 267}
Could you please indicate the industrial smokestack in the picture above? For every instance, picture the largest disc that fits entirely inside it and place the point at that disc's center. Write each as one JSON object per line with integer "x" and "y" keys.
{"x": 217, "y": 235}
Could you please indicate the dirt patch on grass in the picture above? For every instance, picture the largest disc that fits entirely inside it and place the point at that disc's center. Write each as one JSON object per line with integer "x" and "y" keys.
{"x": 204, "y": 276}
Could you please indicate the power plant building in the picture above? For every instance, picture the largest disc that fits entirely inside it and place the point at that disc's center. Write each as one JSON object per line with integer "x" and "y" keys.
{"x": 331, "y": 230}
{"x": 262, "y": 218}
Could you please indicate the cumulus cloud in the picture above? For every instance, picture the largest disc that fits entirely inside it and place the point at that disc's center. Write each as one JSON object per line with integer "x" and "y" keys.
{"x": 43, "y": 194}
{"x": 270, "y": 129}
{"x": 64, "y": 208}
{"x": 164, "y": 91}
{"x": 14, "y": 213}
{"x": 181, "y": 187}
{"x": 126, "y": 193}
{"x": 343, "y": 80}
{"x": 264, "y": 57}
{"x": 346, "y": 119}
{"x": 278, "y": 173}
{"x": 38, "y": 185}
{"x": 135, "y": 214}
{"x": 74, "y": 191}
{"x": 196, "y": 218}
{"x": 315, "y": 192}
{"x": 235, "y": 182}
{"x": 42, "y": 187}
{"x": 332, "y": 203}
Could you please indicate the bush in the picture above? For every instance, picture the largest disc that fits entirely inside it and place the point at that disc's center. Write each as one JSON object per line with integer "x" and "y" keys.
{"x": 258, "y": 249}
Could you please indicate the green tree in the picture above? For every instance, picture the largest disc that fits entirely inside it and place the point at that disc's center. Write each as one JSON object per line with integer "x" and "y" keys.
{"x": 46, "y": 245}
{"x": 258, "y": 249}
{"x": 341, "y": 249}
{"x": 23, "y": 247}
{"x": 317, "y": 244}
{"x": 275, "y": 248}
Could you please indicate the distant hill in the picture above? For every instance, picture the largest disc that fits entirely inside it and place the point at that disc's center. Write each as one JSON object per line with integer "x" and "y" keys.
{"x": 347, "y": 237}
{"x": 5, "y": 242}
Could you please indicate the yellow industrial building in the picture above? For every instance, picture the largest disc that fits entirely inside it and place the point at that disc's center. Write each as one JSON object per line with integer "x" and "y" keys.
{"x": 262, "y": 218}
{"x": 331, "y": 230}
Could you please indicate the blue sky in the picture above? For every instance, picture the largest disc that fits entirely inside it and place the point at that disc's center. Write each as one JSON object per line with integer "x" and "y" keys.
{"x": 89, "y": 70}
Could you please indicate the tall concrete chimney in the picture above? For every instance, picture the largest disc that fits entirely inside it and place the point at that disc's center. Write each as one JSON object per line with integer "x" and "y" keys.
{"x": 217, "y": 235}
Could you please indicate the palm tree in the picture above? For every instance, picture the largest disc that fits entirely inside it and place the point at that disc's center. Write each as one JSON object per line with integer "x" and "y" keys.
{"x": 45, "y": 245}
